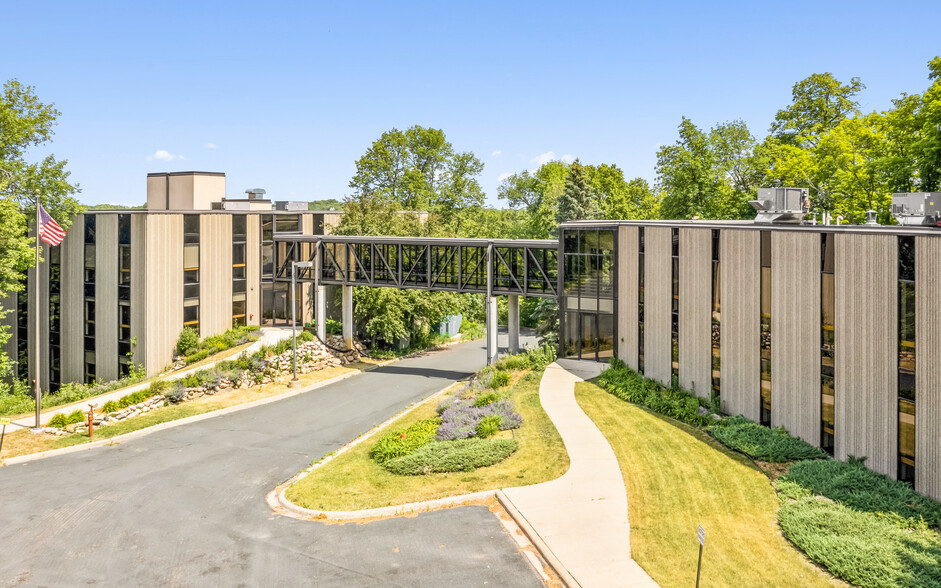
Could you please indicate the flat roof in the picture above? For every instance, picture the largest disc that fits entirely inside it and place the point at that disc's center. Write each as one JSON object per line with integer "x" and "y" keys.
{"x": 749, "y": 224}
{"x": 468, "y": 242}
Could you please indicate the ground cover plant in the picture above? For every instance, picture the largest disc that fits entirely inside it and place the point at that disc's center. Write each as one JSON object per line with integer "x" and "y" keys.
{"x": 864, "y": 527}
{"x": 353, "y": 480}
{"x": 193, "y": 349}
{"x": 628, "y": 385}
{"x": 21, "y": 400}
{"x": 763, "y": 443}
{"x": 678, "y": 477}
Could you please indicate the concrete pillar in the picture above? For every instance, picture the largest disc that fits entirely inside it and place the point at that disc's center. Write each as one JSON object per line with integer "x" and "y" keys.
{"x": 492, "y": 315}
{"x": 513, "y": 323}
{"x": 320, "y": 311}
{"x": 348, "y": 317}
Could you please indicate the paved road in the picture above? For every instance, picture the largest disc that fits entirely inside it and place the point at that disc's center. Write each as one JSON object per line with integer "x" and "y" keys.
{"x": 186, "y": 506}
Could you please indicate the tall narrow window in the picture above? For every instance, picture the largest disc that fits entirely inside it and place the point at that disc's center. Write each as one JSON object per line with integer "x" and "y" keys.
{"x": 766, "y": 328}
{"x": 90, "y": 359}
{"x": 675, "y": 309}
{"x": 22, "y": 330}
{"x": 239, "y": 238}
{"x": 906, "y": 364}
{"x": 827, "y": 425}
{"x": 55, "y": 309}
{"x": 640, "y": 299}
{"x": 191, "y": 271}
{"x": 716, "y": 318}
{"x": 125, "y": 356}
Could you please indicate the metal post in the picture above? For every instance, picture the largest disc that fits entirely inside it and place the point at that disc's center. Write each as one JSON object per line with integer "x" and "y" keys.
{"x": 699, "y": 566}
{"x": 37, "y": 426}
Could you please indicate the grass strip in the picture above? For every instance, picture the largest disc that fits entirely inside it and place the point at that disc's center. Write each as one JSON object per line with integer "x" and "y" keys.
{"x": 678, "y": 477}
{"x": 354, "y": 481}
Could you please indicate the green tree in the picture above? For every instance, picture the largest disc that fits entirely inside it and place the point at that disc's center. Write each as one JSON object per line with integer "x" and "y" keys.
{"x": 819, "y": 102}
{"x": 579, "y": 200}
{"x": 927, "y": 147}
{"x": 537, "y": 193}
{"x": 621, "y": 199}
{"x": 26, "y": 122}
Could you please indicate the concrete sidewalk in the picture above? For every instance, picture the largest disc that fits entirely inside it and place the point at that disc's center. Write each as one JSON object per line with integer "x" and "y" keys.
{"x": 581, "y": 517}
{"x": 268, "y": 336}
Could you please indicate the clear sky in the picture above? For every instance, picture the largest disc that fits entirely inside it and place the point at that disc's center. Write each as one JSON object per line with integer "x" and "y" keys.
{"x": 286, "y": 96}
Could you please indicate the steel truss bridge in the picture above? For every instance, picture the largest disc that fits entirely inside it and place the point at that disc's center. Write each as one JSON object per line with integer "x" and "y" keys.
{"x": 495, "y": 267}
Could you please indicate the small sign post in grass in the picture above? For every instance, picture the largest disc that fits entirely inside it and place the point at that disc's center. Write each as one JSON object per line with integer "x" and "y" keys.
{"x": 701, "y": 537}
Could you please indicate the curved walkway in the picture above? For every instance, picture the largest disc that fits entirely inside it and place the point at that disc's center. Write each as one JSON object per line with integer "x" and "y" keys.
{"x": 581, "y": 518}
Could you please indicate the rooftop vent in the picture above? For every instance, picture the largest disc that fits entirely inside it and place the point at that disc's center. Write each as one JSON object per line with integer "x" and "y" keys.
{"x": 780, "y": 205}
{"x": 917, "y": 208}
{"x": 255, "y": 193}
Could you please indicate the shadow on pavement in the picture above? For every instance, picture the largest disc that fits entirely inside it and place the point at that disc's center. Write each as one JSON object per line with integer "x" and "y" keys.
{"x": 423, "y": 372}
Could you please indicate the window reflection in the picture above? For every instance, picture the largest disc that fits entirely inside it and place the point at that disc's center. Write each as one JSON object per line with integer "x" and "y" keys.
{"x": 589, "y": 292}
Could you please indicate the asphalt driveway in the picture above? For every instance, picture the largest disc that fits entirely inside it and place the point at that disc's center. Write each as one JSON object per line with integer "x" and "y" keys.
{"x": 186, "y": 506}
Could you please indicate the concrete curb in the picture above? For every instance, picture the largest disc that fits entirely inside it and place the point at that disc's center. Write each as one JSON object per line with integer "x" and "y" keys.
{"x": 547, "y": 555}
{"x": 383, "y": 511}
{"x": 179, "y": 422}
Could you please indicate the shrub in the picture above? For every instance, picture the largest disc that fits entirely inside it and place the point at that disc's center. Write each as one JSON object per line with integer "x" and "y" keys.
{"x": 401, "y": 442}
{"x": 862, "y": 548}
{"x": 485, "y": 399}
{"x": 190, "y": 381}
{"x": 188, "y": 341}
{"x": 541, "y": 356}
{"x": 304, "y": 337}
{"x": 859, "y": 488}
{"x": 488, "y": 426}
{"x": 175, "y": 392}
{"x": 460, "y": 419}
{"x": 628, "y": 385}
{"x": 76, "y": 416}
{"x": 499, "y": 380}
{"x": 110, "y": 406}
{"x": 199, "y": 355}
{"x": 159, "y": 387}
{"x": 58, "y": 420}
{"x": 463, "y": 455}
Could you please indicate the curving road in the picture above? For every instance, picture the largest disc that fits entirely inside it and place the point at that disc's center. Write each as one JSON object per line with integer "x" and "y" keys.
{"x": 186, "y": 506}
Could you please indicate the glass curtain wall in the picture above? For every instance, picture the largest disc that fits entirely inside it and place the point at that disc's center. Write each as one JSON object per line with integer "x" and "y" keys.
{"x": 826, "y": 342}
{"x": 589, "y": 292}
{"x": 766, "y": 328}
{"x": 55, "y": 310}
{"x": 716, "y": 318}
{"x": 89, "y": 278}
{"x": 640, "y": 300}
{"x": 125, "y": 353}
{"x": 191, "y": 271}
{"x": 675, "y": 308}
{"x": 906, "y": 363}
{"x": 239, "y": 279}
{"x": 276, "y": 296}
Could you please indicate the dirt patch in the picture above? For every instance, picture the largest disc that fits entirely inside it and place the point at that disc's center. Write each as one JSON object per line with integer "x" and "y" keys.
{"x": 773, "y": 470}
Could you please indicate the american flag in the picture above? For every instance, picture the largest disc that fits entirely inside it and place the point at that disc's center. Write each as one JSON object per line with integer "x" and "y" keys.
{"x": 49, "y": 229}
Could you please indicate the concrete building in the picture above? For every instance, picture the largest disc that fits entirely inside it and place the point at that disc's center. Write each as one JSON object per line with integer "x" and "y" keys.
{"x": 827, "y": 331}
{"x": 127, "y": 281}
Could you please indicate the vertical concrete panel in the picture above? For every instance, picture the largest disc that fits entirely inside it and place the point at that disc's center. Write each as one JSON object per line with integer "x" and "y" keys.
{"x": 741, "y": 322}
{"x": 795, "y": 333}
{"x": 627, "y": 295}
{"x": 253, "y": 269}
{"x": 139, "y": 280}
{"x": 927, "y": 367}
{"x": 658, "y": 285}
{"x": 695, "y": 309}
{"x": 72, "y": 312}
{"x": 164, "y": 250}
{"x": 215, "y": 274}
{"x": 40, "y": 289}
{"x": 865, "y": 354}
{"x": 106, "y": 297}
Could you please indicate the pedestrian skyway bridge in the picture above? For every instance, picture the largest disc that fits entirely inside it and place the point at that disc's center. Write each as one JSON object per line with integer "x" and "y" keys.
{"x": 493, "y": 267}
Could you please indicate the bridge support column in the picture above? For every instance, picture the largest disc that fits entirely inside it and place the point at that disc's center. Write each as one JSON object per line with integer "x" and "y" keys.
{"x": 492, "y": 314}
{"x": 348, "y": 316}
{"x": 320, "y": 311}
{"x": 513, "y": 323}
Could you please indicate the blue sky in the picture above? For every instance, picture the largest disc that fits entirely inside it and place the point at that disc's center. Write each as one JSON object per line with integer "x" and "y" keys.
{"x": 286, "y": 96}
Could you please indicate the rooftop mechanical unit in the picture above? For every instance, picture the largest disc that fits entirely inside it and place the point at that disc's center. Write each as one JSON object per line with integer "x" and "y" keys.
{"x": 917, "y": 208}
{"x": 780, "y": 205}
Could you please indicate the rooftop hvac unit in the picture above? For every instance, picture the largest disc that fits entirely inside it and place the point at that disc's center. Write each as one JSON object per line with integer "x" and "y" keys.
{"x": 917, "y": 208}
{"x": 294, "y": 205}
{"x": 780, "y": 205}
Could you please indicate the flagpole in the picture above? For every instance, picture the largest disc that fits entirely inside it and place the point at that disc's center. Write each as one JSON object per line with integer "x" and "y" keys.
{"x": 36, "y": 347}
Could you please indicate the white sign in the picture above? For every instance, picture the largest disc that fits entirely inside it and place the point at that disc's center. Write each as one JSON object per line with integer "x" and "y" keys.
{"x": 701, "y": 535}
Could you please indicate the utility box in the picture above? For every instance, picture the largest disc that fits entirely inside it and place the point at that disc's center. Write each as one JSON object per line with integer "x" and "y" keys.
{"x": 781, "y": 205}
{"x": 917, "y": 208}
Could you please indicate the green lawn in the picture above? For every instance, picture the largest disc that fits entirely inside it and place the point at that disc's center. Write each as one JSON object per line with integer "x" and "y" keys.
{"x": 677, "y": 478}
{"x": 353, "y": 481}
